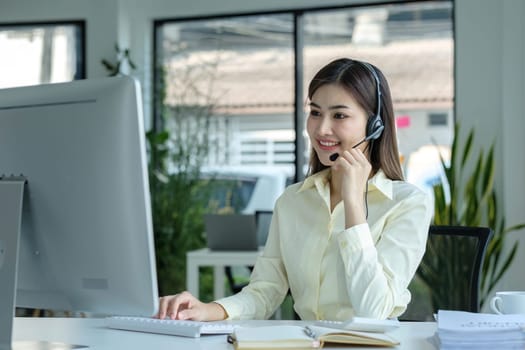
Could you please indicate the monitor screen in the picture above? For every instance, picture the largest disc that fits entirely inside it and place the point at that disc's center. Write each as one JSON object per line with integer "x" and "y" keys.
{"x": 86, "y": 240}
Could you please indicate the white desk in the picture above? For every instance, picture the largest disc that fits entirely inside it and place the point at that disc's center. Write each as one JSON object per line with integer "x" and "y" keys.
{"x": 93, "y": 333}
{"x": 205, "y": 257}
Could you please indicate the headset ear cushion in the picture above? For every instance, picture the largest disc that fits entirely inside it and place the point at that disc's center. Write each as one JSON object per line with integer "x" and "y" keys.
{"x": 374, "y": 128}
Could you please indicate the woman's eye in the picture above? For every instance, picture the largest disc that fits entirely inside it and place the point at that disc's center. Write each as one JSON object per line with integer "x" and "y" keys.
{"x": 339, "y": 116}
{"x": 315, "y": 113}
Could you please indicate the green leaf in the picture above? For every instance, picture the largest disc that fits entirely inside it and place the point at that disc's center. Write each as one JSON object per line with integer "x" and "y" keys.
{"x": 454, "y": 149}
{"x": 503, "y": 268}
{"x": 440, "y": 205}
{"x": 472, "y": 202}
{"x": 468, "y": 148}
{"x": 513, "y": 228}
{"x": 108, "y": 65}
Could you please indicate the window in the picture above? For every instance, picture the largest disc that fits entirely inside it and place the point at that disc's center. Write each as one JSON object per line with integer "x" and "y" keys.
{"x": 41, "y": 53}
{"x": 437, "y": 119}
{"x": 242, "y": 68}
{"x": 413, "y": 45}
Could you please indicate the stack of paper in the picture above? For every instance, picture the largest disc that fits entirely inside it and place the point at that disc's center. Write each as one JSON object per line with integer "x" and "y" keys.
{"x": 466, "y": 330}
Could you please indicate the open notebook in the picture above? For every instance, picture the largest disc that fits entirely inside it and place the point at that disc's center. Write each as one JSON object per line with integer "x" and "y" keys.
{"x": 290, "y": 337}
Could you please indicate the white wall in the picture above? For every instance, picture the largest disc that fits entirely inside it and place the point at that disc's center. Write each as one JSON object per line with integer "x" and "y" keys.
{"x": 490, "y": 78}
{"x": 513, "y": 121}
{"x": 490, "y": 92}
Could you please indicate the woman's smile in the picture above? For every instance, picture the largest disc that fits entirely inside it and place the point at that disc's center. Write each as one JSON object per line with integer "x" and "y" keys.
{"x": 327, "y": 145}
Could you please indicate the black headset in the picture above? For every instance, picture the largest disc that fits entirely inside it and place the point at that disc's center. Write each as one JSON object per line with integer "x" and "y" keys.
{"x": 374, "y": 125}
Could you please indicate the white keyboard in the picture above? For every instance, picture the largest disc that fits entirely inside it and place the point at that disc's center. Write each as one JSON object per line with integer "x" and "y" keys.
{"x": 171, "y": 327}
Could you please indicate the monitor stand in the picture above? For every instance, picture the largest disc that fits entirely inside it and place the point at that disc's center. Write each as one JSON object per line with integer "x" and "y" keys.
{"x": 11, "y": 199}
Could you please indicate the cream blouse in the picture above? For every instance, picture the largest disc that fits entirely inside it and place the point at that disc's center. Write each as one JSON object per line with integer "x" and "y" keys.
{"x": 335, "y": 273}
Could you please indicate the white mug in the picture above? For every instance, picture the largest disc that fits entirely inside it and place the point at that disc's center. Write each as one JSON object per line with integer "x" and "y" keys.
{"x": 508, "y": 303}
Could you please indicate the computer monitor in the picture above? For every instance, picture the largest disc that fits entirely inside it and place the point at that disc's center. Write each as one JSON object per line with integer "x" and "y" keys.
{"x": 86, "y": 237}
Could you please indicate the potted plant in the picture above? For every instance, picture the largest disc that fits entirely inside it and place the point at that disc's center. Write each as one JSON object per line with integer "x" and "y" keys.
{"x": 468, "y": 198}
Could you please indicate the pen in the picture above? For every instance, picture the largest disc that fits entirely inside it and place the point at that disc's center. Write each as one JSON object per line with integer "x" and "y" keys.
{"x": 309, "y": 332}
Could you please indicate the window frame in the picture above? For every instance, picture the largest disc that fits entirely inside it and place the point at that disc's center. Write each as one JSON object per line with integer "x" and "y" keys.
{"x": 298, "y": 41}
{"x": 80, "y": 47}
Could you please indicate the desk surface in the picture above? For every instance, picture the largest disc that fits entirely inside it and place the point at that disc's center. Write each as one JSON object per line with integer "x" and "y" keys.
{"x": 92, "y": 332}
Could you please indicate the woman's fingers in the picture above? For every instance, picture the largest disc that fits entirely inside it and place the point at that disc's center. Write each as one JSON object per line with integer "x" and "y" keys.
{"x": 171, "y": 305}
{"x": 163, "y": 306}
{"x": 354, "y": 160}
{"x": 355, "y": 156}
{"x": 194, "y": 313}
{"x": 356, "y": 169}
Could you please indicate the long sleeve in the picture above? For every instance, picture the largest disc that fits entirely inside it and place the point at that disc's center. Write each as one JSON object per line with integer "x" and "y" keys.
{"x": 335, "y": 273}
{"x": 268, "y": 283}
{"x": 377, "y": 274}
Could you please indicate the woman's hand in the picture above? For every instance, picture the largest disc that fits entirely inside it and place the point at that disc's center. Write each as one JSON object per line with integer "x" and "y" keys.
{"x": 353, "y": 170}
{"x": 185, "y": 306}
{"x": 356, "y": 170}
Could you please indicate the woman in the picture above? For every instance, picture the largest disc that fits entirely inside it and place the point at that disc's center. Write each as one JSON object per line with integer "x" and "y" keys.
{"x": 348, "y": 239}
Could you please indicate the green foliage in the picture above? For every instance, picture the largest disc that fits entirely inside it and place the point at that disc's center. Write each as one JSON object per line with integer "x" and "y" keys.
{"x": 178, "y": 203}
{"x": 469, "y": 199}
{"x": 123, "y": 58}
{"x": 179, "y": 196}
{"x": 177, "y": 152}
{"x": 445, "y": 274}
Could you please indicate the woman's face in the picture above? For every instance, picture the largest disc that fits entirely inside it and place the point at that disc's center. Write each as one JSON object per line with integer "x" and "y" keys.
{"x": 336, "y": 122}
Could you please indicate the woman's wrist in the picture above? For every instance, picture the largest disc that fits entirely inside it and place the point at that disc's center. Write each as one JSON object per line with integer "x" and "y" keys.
{"x": 218, "y": 312}
{"x": 354, "y": 213}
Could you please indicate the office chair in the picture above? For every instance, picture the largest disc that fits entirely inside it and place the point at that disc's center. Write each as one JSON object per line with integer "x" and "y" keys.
{"x": 449, "y": 274}
{"x": 263, "y": 219}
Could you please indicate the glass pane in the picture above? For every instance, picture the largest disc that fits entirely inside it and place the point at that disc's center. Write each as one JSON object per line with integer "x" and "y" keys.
{"x": 413, "y": 45}
{"x": 39, "y": 54}
{"x": 228, "y": 87}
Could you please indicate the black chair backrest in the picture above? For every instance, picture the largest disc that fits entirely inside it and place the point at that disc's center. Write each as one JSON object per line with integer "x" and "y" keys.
{"x": 450, "y": 272}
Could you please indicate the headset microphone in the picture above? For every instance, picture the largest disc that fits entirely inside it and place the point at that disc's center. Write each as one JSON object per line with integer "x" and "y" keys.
{"x": 373, "y": 136}
{"x": 334, "y": 156}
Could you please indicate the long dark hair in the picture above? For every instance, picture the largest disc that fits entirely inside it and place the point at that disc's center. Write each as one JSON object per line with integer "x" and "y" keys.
{"x": 357, "y": 79}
